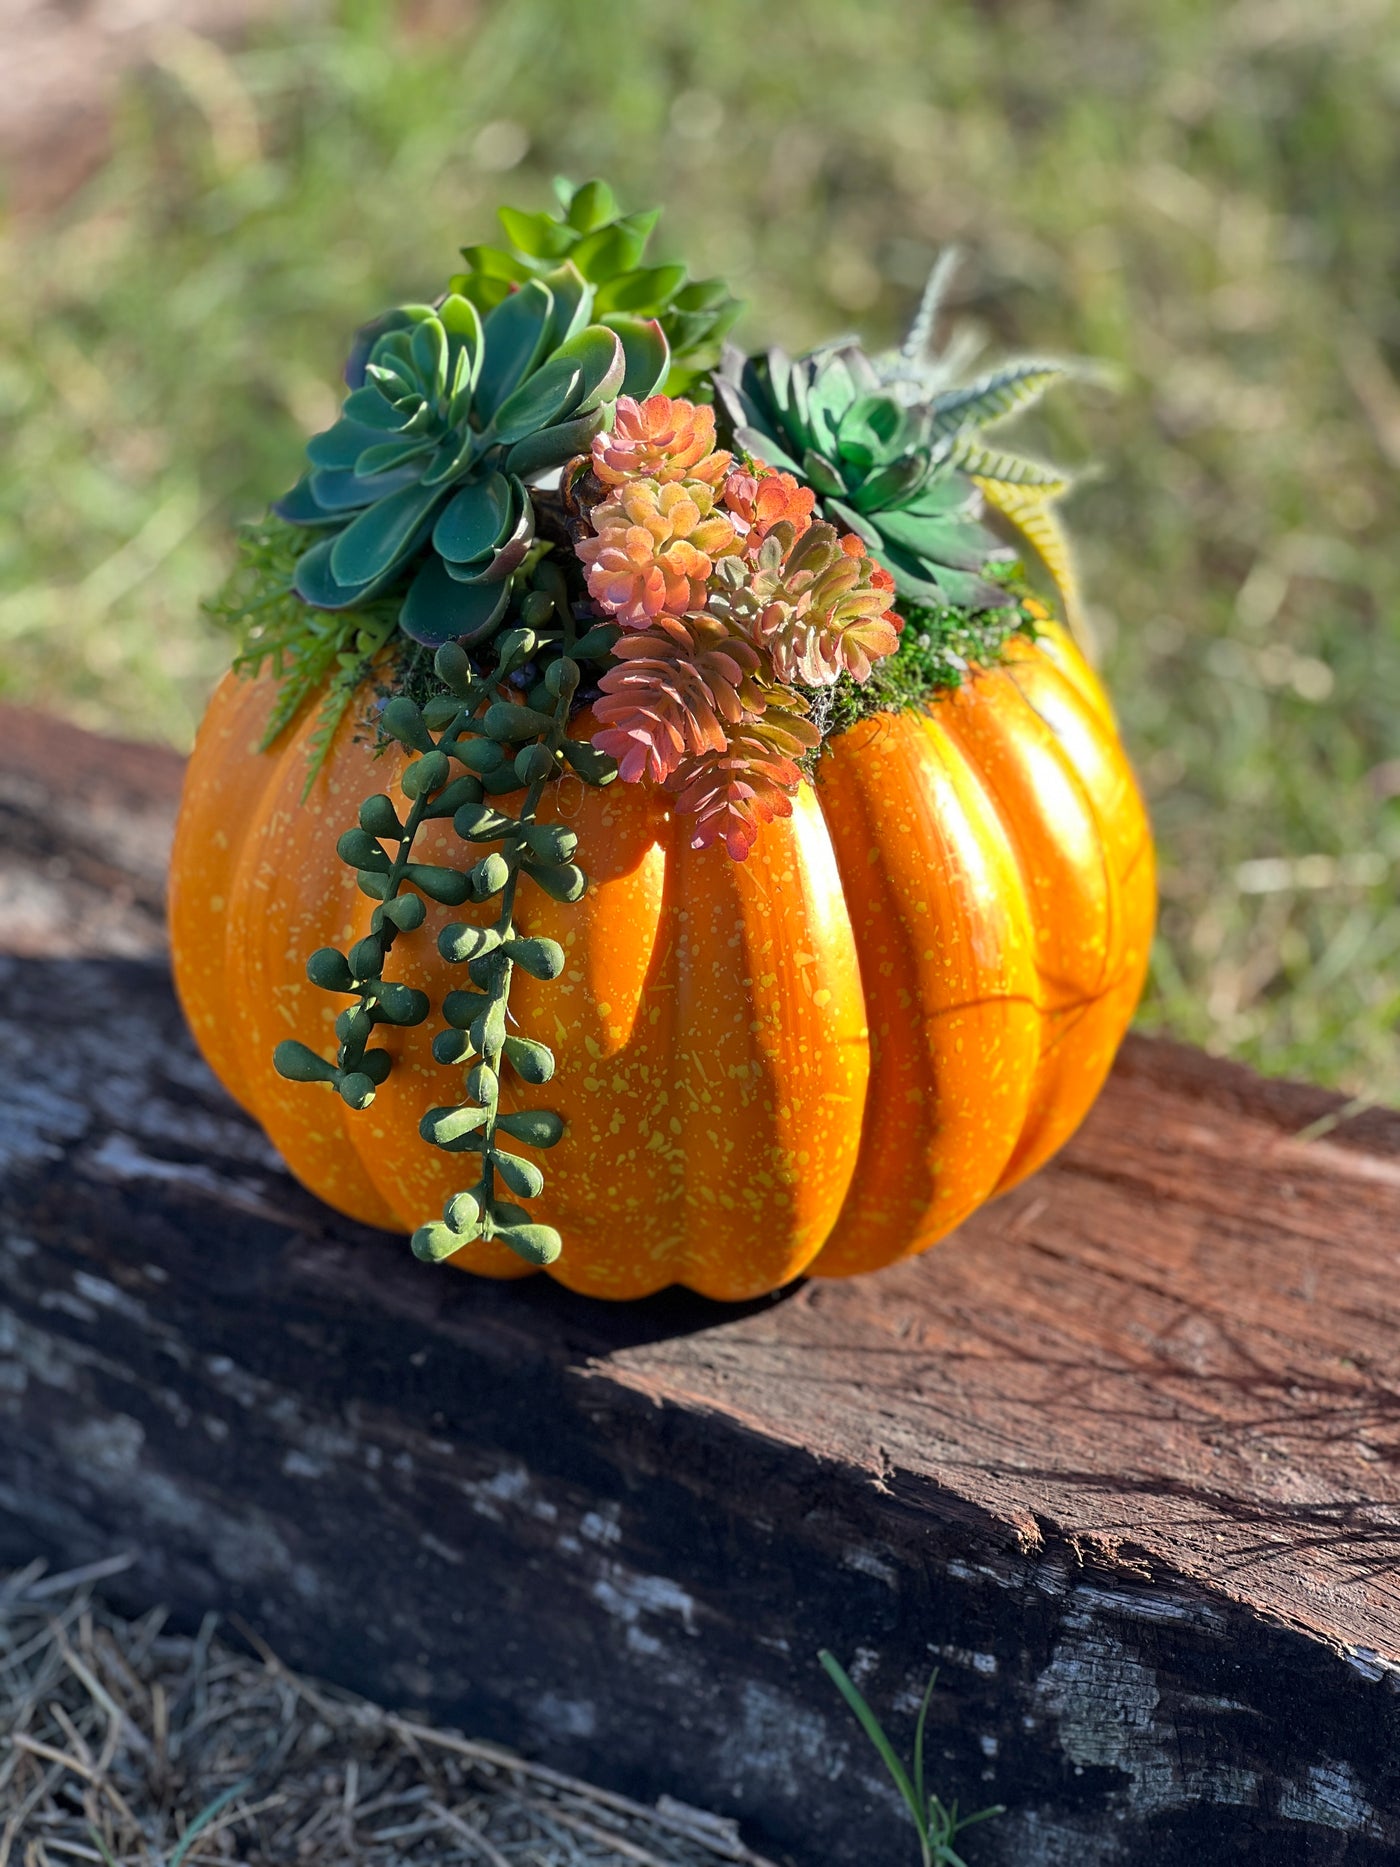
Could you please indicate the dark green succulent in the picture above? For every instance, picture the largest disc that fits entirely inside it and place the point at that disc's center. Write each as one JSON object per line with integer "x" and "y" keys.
{"x": 423, "y": 480}
{"x": 607, "y": 249}
{"x": 899, "y": 473}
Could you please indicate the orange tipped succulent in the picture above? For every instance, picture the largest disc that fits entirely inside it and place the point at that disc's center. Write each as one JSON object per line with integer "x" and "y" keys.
{"x": 731, "y": 606}
{"x": 762, "y": 497}
{"x": 654, "y": 549}
{"x": 662, "y": 439}
{"x": 734, "y": 792}
{"x": 829, "y": 612}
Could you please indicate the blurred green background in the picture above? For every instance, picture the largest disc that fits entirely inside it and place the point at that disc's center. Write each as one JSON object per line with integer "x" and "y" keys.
{"x": 1201, "y": 195}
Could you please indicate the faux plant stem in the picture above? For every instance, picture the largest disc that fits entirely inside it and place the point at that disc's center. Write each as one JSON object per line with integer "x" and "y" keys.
{"x": 504, "y": 743}
{"x": 477, "y": 1021}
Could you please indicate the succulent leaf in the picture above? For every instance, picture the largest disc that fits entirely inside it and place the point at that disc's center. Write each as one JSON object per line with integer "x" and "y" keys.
{"x": 551, "y": 447}
{"x": 438, "y": 608}
{"x": 299, "y": 506}
{"x": 378, "y": 539}
{"x": 647, "y": 351}
{"x": 452, "y": 408}
{"x": 589, "y": 206}
{"x": 989, "y": 463}
{"x": 476, "y": 520}
{"x": 995, "y": 396}
{"x": 867, "y": 455}
{"x": 515, "y": 334}
{"x": 605, "y": 250}
{"x": 315, "y": 585}
{"x": 538, "y": 235}
{"x": 647, "y": 289}
{"x": 573, "y": 303}
{"x": 338, "y": 491}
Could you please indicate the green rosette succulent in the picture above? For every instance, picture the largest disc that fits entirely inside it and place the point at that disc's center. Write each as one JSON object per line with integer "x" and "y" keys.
{"x": 424, "y": 479}
{"x": 901, "y": 474}
{"x": 606, "y": 248}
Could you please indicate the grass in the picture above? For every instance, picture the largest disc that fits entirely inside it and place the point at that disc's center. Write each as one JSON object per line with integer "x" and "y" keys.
{"x": 1195, "y": 193}
{"x": 937, "y": 1823}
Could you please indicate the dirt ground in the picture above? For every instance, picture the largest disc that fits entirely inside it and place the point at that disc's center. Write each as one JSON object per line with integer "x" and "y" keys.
{"x": 61, "y": 65}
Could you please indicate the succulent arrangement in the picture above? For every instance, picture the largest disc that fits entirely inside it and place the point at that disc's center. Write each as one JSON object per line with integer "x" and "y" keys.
{"x": 555, "y": 531}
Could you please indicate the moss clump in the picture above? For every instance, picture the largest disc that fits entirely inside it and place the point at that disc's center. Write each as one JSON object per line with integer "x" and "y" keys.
{"x": 307, "y": 649}
{"x": 938, "y": 649}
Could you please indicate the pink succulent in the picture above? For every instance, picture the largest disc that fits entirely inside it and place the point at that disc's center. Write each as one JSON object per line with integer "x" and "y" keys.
{"x": 762, "y": 497}
{"x": 674, "y": 691}
{"x": 828, "y": 613}
{"x": 734, "y": 792}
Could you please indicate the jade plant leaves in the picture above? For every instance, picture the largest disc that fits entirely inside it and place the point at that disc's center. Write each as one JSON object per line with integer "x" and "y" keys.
{"x": 604, "y": 249}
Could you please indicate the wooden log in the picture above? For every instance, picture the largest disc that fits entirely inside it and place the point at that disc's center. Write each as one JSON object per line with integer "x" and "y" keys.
{"x": 1120, "y": 1457}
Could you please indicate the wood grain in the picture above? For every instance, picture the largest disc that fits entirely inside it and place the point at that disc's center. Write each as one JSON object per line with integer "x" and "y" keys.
{"x": 1122, "y": 1457}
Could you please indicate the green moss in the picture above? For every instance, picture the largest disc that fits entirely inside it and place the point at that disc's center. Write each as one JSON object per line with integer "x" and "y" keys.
{"x": 938, "y": 649}
{"x": 360, "y": 652}
{"x": 308, "y": 650}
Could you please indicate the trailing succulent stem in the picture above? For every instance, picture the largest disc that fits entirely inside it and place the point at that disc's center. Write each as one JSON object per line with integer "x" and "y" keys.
{"x": 508, "y": 747}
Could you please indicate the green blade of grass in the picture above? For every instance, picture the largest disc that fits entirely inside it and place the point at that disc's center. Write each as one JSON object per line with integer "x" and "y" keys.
{"x": 203, "y": 1819}
{"x": 919, "y": 1783}
{"x": 849, "y": 1691}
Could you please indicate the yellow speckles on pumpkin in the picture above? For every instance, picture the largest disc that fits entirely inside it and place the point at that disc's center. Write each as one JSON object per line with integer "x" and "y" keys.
{"x": 717, "y": 1145}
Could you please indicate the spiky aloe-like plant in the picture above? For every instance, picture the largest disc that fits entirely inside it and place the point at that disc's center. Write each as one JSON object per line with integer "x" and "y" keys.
{"x": 902, "y": 464}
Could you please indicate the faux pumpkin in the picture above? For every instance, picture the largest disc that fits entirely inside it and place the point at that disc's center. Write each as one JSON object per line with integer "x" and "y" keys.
{"x": 818, "y": 1060}
{"x": 724, "y": 772}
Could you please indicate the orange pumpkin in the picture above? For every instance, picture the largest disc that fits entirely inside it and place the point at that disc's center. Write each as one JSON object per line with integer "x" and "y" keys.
{"x": 819, "y": 1060}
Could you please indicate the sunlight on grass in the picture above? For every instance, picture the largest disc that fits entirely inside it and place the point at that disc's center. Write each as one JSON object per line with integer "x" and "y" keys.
{"x": 1196, "y": 195}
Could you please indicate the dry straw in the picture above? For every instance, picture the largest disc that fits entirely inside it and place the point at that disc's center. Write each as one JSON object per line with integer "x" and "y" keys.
{"x": 129, "y": 1746}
